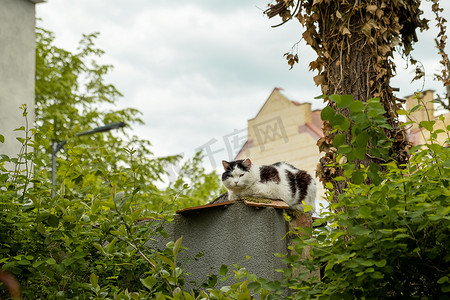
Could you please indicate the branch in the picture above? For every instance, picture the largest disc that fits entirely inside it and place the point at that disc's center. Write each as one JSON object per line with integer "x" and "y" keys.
{"x": 442, "y": 102}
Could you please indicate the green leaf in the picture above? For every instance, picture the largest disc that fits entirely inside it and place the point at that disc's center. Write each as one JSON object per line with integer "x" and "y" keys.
{"x": 40, "y": 228}
{"x": 176, "y": 246}
{"x": 37, "y": 263}
{"x": 212, "y": 281}
{"x": 364, "y": 211}
{"x": 254, "y": 286}
{"x": 435, "y": 147}
{"x": 344, "y": 149}
{"x": 166, "y": 260}
{"x": 375, "y": 112}
{"x": 24, "y": 262}
{"x": 360, "y": 119}
{"x": 446, "y": 288}
{"x": 98, "y": 247}
{"x": 306, "y": 207}
{"x": 344, "y": 125}
{"x": 357, "y": 106}
{"x": 375, "y": 152}
{"x": 21, "y": 128}
{"x": 337, "y": 120}
{"x": 374, "y": 107}
{"x": 362, "y": 139}
{"x": 359, "y": 153}
{"x": 443, "y": 280}
{"x": 327, "y": 113}
{"x": 223, "y": 270}
{"x": 335, "y": 98}
{"x": 339, "y": 139}
{"x": 377, "y": 275}
{"x": 148, "y": 282}
{"x": 373, "y": 173}
{"x": 53, "y": 220}
{"x": 360, "y": 230}
{"x": 93, "y": 279}
{"x": 381, "y": 263}
{"x": 416, "y": 108}
{"x": 2, "y": 139}
{"x": 110, "y": 247}
{"x": 357, "y": 177}
{"x": 446, "y": 164}
{"x": 428, "y": 125}
{"x": 346, "y": 100}
{"x": 51, "y": 261}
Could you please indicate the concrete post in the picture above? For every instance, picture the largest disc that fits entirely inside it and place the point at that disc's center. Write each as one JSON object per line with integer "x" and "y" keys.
{"x": 243, "y": 233}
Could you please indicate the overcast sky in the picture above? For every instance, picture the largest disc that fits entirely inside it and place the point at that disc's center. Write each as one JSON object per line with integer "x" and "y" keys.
{"x": 199, "y": 69}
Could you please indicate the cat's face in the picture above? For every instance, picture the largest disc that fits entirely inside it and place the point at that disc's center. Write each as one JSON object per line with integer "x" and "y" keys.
{"x": 237, "y": 175}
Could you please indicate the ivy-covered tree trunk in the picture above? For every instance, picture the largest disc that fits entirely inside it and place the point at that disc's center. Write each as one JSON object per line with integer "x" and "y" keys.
{"x": 354, "y": 41}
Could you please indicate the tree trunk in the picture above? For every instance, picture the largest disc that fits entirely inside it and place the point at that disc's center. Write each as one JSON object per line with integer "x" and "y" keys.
{"x": 351, "y": 69}
{"x": 354, "y": 42}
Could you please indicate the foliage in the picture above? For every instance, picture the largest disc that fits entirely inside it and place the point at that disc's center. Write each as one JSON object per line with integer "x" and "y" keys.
{"x": 71, "y": 96}
{"x": 72, "y": 246}
{"x": 91, "y": 239}
{"x": 387, "y": 236}
{"x": 388, "y": 239}
{"x": 70, "y": 89}
{"x": 367, "y": 122}
{"x": 441, "y": 42}
{"x": 388, "y": 226}
{"x": 355, "y": 42}
{"x": 331, "y": 27}
{"x": 202, "y": 185}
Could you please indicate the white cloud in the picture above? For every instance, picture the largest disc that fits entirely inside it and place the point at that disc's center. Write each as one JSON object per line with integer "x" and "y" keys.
{"x": 196, "y": 69}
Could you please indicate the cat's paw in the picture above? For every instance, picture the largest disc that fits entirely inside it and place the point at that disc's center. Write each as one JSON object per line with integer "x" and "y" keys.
{"x": 297, "y": 207}
{"x": 232, "y": 197}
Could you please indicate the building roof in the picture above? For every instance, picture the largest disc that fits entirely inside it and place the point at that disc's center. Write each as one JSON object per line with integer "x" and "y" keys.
{"x": 314, "y": 128}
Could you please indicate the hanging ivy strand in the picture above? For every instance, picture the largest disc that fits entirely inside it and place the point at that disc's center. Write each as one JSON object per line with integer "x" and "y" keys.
{"x": 355, "y": 41}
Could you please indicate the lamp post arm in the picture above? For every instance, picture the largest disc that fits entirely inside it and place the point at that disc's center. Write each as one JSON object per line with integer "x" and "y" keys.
{"x": 56, "y": 146}
{"x": 104, "y": 128}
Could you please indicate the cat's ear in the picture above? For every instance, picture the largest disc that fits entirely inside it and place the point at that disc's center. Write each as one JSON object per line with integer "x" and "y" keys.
{"x": 247, "y": 163}
{"x": 225, "y": 164}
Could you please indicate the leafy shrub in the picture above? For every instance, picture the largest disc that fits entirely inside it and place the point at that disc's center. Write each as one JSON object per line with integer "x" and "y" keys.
{"x": 89, "y": 240}
{"x": 389, "y": 239}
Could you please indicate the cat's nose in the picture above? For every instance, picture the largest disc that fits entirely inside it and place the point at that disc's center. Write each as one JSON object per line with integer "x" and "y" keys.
{"x": 236, "y": 182}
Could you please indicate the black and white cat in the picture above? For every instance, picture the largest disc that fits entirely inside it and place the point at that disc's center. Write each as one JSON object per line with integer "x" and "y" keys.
{"x": 279, "y": 181}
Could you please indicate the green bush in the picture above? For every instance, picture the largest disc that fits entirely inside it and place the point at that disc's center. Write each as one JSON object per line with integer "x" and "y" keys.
{"x": 89, "y": 240}
{"x": 386, "y": 239}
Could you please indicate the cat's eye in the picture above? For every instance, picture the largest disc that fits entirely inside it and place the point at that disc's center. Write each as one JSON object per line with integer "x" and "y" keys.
{"x": 241, "y": 175}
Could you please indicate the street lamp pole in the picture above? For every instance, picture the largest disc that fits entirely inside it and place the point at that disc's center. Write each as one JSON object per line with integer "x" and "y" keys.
{"x": 57, "y": 146}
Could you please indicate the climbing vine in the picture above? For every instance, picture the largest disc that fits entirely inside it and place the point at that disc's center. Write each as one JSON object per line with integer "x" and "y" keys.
{"x": 355, "y": 41}
{"x": 441, "y": 42}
